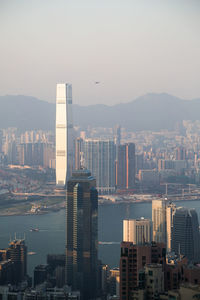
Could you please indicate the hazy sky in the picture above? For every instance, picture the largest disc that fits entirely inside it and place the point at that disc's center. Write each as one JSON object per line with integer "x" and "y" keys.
{"x": 132, "y": 47}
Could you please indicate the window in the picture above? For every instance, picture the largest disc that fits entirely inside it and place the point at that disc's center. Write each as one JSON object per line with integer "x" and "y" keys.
{"x": 150, "y": 273}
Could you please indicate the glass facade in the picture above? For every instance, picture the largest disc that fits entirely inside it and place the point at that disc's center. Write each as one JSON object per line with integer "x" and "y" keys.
{"x": 99, "y": 158}
{"x": 82, "y": 233}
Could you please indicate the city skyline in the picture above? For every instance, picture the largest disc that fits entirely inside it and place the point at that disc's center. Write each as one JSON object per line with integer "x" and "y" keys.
{"x": 99, "y": 192}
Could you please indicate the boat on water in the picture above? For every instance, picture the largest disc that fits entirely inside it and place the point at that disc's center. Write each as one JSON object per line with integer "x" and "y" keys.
{"x": 31, "y": 253}
{"x": 108, "y": 243}
{"x": 34, "y": 229}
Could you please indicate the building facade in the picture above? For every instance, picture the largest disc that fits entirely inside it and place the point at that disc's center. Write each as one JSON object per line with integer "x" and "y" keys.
{"x": 81, "y": 233}
{"x": 64, "y": 133}
{"x": 99, "y": 158}
{"x": 13, "y": 263}
{"x": 170, "y": 211}
{"x": 133, "y": 260}
{"x": 125, "y": 169}
{"x": 154, "y": 277}
{"x": 137, "y": 231}
{"x": 185, "y": 233}
{"x": 78, "y": 153}
{"x": 159, "y": 220}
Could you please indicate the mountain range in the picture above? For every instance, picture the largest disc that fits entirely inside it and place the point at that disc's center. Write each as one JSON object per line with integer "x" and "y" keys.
{"x": 148, "y": 112}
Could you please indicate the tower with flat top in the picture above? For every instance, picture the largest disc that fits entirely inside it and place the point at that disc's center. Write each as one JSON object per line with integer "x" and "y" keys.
{"x": 64, "y": 133}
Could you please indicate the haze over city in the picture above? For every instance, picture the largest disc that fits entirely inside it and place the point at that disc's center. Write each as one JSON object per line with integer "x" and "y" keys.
{"x": 99, "y": 150}
{"x": 130, "y": 47}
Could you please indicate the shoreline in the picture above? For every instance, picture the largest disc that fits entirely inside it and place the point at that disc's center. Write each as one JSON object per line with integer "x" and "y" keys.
{"x": 11, "y": 214}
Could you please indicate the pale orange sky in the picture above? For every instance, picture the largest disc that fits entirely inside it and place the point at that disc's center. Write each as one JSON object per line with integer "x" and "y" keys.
{"x": 132, "y": 47}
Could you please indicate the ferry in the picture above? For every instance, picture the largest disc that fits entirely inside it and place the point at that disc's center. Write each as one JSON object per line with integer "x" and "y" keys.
{"x": 34, "y": 229}
{"x": 31, "y": 253}
{"x": 108, "y": 243}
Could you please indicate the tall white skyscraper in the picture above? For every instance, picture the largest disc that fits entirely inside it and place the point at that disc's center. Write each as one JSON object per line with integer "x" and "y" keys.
{"x": 137, "y": 231}
{"x": 64, "y": 133}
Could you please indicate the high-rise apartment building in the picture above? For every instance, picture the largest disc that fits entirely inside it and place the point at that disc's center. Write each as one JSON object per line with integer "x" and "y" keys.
{"x": 180, "y": 153}
{"x": 159, "y": 220}
{"x": 139, "y": 162}
{"x": 185, "y": 233}
{"x": 133, "y": 260}
{"x": 81, "y": 233}
{"x": 78, "y": 153}
{"x": 117, "y": 140}
{"x": 154, "y": 277}
{"x": 114, "y": 280}
{"x": 17, "y": 253}
{"x": 162, "y": 218}
{"x": 137, "y": 231}
{"x": 99, "y": 158}
{"x": 125, "y": 171}
{"x": 64, "y": 133}
{"x": 170, "y": 211}
{"x": 40, "y": 274}
{"x": 118, "y": 135}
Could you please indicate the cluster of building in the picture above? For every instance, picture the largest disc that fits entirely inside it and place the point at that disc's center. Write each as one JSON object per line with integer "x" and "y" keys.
{"x": 76, "y": 275}
{"x": 151, "y": 265}
{"x": 32, "y": 148}
{"x": 159, "y": 258}
{"x": 134, "y": 164}
{"x": 119, "y": 160}
{"x": 162, "y": 263}
{"x": 112, "y": 164}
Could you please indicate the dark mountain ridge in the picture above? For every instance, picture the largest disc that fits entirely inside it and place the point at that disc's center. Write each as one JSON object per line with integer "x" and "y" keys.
{"x": 148, "y": 112}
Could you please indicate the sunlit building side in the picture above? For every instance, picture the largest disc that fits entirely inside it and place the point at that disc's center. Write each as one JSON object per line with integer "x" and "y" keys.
{"x": 159, "y": 221}
{"x": 137, "y": 231}
{"x": 64, "y": 133}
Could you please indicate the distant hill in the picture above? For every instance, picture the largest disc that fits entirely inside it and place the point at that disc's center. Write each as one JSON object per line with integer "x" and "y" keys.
{"x": 149, "y": 112}
{"x": 26, "y": 112}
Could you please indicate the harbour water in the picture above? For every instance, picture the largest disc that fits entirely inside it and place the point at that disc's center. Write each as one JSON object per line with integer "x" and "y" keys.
{"x": 51, "y": 235}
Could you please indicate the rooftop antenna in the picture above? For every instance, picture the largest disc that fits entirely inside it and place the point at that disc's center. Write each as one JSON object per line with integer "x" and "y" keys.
{"x": 15, "y": 236}
{"x": 10, "y": 238}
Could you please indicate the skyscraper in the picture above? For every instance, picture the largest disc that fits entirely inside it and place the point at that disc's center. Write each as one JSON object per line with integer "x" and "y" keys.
{"x": 64, "y": 133}
{"x": 81, "y": 233}
{"x": 185, "y": 233}
{"x": 180, "y": 153}
{"x": 137, "y": 231}
{"x": 117, "y": 135}
{"x": 159, "y": 221}
{"x": 18, "y": 254}
{"x": 170, "y": 211}
{"x": 78, "y": 153}
{"x": 125, "y": 171}
{"x": 99, "y": 158}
